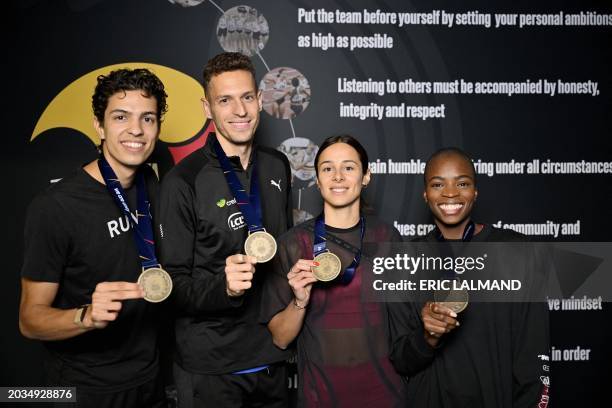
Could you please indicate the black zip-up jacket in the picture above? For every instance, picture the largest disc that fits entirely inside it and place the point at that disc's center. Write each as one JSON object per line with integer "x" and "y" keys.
{"x": 498, "y": 357}
{"x": 201, "y": 225}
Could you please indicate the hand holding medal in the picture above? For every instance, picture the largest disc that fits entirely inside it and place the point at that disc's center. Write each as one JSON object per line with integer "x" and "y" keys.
{"x": 437, "y": 320}
{"x": 301, "y": 278}
{"x": 439, "y": 317}
{"x": 239, "y": 272}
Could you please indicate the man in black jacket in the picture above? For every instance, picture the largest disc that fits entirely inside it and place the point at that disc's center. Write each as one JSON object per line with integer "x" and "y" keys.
{"x": 224, "y": 357}
{"x": 489, "y": 355}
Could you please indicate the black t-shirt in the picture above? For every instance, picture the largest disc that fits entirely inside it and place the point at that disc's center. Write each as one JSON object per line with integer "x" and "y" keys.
{"x": 76, "y": 236}
{"x": 201, "y": 226}
{"x": 343, "y": 345}
{"x": 497, "y": 357}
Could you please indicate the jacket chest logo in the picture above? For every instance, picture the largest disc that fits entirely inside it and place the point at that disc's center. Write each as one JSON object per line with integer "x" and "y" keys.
{"x": 236, "y": 221}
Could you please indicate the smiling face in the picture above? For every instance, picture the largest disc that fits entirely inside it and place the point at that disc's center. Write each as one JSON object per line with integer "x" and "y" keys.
{"x": 129, "y": 131}
{"x": 450, "y": 192}
{"x": 233, "y": 103}
{"x": 340, "y": 176}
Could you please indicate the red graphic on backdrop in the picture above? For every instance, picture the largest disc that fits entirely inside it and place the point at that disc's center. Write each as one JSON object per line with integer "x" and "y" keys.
{"x": 179, "y": 152}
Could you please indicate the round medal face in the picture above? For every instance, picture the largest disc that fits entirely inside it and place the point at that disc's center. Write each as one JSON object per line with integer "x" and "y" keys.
{"x": 261, "y": 245}
{"x": 157, "y": 284}
{"x": 455, "y": 300}
{"x": 329, "y": 267}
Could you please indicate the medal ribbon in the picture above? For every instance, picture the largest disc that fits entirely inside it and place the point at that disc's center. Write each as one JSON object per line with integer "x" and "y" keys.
{"x": 250, "y": 206}
{"x": 320, "y": 246}
{"x": 141, "y": 224}
{"x": 468, "y": 234}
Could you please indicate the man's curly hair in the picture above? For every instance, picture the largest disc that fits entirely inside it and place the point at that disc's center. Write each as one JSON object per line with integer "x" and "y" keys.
{"x": 122, "y": 80}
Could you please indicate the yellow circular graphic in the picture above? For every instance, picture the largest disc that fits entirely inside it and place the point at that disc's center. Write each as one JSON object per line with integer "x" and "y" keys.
{"x": 71, "y": 108}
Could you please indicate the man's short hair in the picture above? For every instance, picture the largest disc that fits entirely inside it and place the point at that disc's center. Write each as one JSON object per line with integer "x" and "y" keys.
{"x": 449, "y": 151}
{"x": 125, "y": 79}
{"x": 226, "y": 62}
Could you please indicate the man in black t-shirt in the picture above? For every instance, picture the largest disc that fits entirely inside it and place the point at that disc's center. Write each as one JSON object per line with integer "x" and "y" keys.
{"x": 224, "y": 356}
{"x": 79, "y": 291}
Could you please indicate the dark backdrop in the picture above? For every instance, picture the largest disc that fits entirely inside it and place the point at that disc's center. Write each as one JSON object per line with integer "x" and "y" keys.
{"x": 49, "y": 44}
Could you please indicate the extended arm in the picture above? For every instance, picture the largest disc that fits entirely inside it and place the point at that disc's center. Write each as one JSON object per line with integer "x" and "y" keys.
{"x": 286, "y": 325}
{"x": 39, "y": 320}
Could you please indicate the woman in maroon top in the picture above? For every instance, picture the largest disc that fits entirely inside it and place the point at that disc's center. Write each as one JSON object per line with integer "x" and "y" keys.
{"x": 341, "y": 340}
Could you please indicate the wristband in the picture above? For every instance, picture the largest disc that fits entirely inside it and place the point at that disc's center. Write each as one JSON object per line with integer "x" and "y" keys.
{"x": 79, "y": 316}
{"x": 295, "y": 303}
